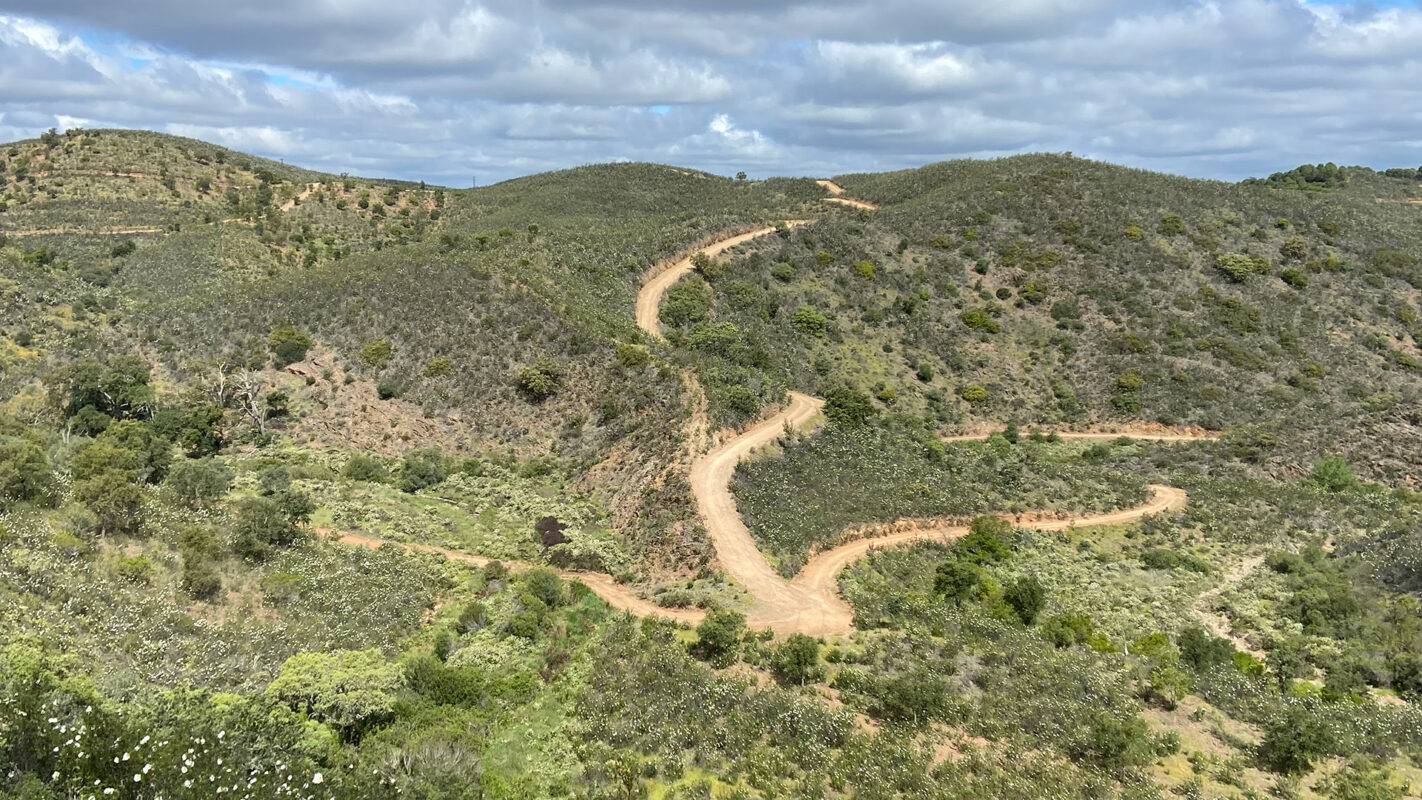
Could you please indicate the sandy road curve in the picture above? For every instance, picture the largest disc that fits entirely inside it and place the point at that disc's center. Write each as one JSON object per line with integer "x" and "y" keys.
{"x": 820, "y": 575}
{"x": 649, "y": 298}
{"x": 837, "y": 196}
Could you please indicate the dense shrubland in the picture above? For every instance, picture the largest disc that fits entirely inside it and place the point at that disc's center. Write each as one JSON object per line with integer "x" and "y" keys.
{"x": 1056, "y": 290}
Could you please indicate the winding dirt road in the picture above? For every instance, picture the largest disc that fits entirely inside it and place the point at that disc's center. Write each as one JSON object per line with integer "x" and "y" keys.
{"x": 649, "y": 299}
{"x": 810, "y": 603}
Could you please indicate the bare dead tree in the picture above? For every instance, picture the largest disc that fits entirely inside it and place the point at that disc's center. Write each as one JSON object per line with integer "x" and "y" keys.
{"x": 247, "y": 389}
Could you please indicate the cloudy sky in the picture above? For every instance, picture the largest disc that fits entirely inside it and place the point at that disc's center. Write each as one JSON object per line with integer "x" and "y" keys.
{"x": 445, "y": 90}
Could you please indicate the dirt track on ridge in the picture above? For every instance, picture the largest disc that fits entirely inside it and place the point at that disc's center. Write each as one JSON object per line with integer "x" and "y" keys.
{"x": 81, "y": 232}
{"x": 649, "y": 299}
{"x": 837, "y": 196}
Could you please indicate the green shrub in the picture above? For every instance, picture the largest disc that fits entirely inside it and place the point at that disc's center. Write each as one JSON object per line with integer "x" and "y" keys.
{"x": 438, "y": 367}
{"x": 633, "y": 355}
{"x": 718, "y": 636}
{"x": 539, "y": 381}
{"x": 288, "y": 345}
{"x": 1334, "y": 474}
{"x": 974, "y": 393}
{"x": 25, "y": 474}
{"x": 376, "y": 354}
{"x": 847, "y": 406}
{"x": 1294, "y": 277}
{"x": 135, "y": 569}
{"x": 980, "y": 320}
{"x": 1171, "y": 225}
{"x": 809, "y": 321}
{"x": 364, "y": 467}
{"x": 797, "y": 660}
{"x": 422, "y": 469}
{"x": 986, "y": 542}
{"x": 1240, "y": 268}
{"x": 1027, "y": 597}
{"x": 687, "y": 301}
{"x": 199, "y": 482}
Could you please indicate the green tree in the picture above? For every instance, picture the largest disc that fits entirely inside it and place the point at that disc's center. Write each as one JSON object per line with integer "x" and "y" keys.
{"x": 546, "y": 586}
{"x": 986, "y": 542}
{"x": 352, "y": 691}
{"x": 1292, "y": 740}
{"x": 1201, "y": 651}
{"x": 115, "y": 498}
{"x": 263, "y": 523}
{"x": 915, "y": 696}
{"x": 847, "y": 407}
{"x": 200, "y": 578}
{"x": 199, "y": 483}
{"x": 1334, "y": 474}
{"x": 422, "y": 469}
{"x": 118, "y": 389}
{"x": 797, "y": 660}
{"x": 718, "y": 635}
{"x": 25, "y": 474}
{"x": 364, "y": 467}
{"x": 288, "y": 345}
{"x": 1027, "y": 597}
{"x": 199, "y": 430}
{"x": 956, "y": 580}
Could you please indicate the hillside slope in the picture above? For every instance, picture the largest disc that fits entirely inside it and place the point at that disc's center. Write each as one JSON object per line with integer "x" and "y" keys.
{"x": 1060, "y": 291}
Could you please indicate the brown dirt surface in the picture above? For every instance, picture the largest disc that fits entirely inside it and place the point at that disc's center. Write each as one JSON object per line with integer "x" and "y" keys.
{"x": 1145, "y": 431}
{"x": 1216, "y": 620}
{"x": 837, "y": 196}
{"x": 351, "y": 416}
{"x": 73, "y": 231}
{"x": 306, "y": 191}
{"x": 616, "y": 595}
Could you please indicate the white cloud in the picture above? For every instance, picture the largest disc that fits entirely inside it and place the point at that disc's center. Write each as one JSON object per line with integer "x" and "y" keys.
{"x": 437, "y": 89}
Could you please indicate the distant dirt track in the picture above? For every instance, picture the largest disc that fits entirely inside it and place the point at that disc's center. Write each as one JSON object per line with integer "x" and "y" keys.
{"x": 810, "y": 603}
{"x": 602, "y": 584}
{"x": 80, "y": 232}
{"x": 649, "y": 299}
{"x": 837, "y": 196}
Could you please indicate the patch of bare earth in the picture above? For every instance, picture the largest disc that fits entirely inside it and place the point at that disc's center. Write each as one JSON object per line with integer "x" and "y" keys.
{"x": 333, "y": 414}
